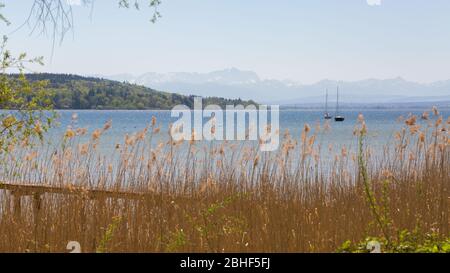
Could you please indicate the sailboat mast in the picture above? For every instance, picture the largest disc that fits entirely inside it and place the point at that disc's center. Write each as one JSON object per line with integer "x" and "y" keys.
{"x": 338, "y": 117}
{"x": 337, "y": 101}
{"x": 326, "y": 102}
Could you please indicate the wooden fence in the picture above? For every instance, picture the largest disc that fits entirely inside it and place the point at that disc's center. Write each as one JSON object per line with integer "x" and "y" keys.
{"x": 36, "y": 191}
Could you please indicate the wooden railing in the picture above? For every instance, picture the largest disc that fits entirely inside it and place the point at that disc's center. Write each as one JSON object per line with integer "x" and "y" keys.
{"x": 32, "y": 189}
{"x": 36, "y": 191}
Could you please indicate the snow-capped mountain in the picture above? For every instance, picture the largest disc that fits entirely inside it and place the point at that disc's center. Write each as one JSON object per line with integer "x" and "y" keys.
{"x": 230, "y": 76}
{"x": 235, "y": 83}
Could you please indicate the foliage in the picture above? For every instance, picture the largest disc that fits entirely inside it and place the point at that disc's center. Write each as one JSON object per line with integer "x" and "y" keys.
{"x": 217, "y": 223}
{"x": 25, "y": 105}
{"x": 3, "y": 18}
{"x": 55, "y": 18}
{"x": 214, "y": 222}
{"x": 211, "y": 223}
{"x": 109, "y": 234}
{"x": 136, "y": 3}
{"x": 177, "y": 240}
{"x": 76, "y": 92}
{"x": 379, "y": 209}
{"x": 406, "y": 242}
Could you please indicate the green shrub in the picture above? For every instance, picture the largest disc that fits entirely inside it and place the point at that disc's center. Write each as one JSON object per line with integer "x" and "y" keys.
{"x": 406, "y": 242}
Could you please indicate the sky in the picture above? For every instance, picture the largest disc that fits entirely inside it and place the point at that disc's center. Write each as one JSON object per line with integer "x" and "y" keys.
{"x": 302, "y": 40}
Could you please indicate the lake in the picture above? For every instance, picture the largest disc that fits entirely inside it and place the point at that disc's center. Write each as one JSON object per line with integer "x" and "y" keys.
{"x": 382, "y": 124}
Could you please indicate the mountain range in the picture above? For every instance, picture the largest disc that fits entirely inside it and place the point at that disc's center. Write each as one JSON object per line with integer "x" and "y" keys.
{"x": 234, "y": 83}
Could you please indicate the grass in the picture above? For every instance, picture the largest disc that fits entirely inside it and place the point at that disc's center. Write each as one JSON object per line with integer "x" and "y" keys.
{"x": 227, "y": 198}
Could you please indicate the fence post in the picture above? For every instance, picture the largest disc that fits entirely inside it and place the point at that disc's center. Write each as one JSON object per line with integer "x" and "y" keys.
{"x": 36, "y": 206}
{"x": 17, "y": 206}
{"x": 36, "y": 214}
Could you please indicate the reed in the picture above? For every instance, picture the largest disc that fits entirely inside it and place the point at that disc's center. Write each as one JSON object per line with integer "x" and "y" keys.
{"x": 226, "y": 197}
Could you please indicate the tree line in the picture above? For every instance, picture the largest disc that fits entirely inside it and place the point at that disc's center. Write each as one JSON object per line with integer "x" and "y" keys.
{"x": 68, "y": 91}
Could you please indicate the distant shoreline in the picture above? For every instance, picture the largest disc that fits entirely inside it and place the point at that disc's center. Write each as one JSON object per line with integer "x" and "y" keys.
{"x": 308, "y": 107}
{"x": 442, "y": 105}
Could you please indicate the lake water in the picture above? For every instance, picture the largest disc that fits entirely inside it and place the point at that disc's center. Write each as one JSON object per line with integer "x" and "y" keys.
{"x": 382, "y": 124}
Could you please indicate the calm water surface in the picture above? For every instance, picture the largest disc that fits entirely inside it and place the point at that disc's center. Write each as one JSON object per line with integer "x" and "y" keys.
{"x": 382, "y": 124}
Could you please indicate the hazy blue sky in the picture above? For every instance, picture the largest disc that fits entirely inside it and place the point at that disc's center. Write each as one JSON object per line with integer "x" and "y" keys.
{"x": 305, "y": 41}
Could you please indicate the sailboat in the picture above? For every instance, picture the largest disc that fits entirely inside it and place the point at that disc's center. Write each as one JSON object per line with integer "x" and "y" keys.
{"x": 338, "y": 117}
{"x": 326, "y": 115}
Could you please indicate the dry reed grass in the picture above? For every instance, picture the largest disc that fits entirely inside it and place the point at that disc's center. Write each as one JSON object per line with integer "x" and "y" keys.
{"x": 226, "y": 198}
